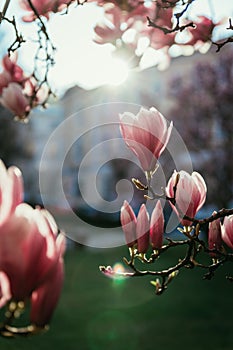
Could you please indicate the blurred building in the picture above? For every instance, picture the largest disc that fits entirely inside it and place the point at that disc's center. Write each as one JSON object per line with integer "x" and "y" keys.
{"x": 81, "y": 130}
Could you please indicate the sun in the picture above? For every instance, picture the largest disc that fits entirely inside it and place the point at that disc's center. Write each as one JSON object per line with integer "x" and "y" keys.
{"x": 115, "y": 72}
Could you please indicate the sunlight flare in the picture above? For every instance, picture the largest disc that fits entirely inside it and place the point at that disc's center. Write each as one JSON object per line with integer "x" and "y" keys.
{"x": 116, "y": 72}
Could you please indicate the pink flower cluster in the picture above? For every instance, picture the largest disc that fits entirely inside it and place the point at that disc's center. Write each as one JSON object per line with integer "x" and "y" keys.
{"x": 112, "y": 30}
{"x": 126, "y": 15}
{"x": 147, "y": 135}
{"x": 31, "y": 250}
{"x": 42, "y": 7}
{"x": 142, "y": 231}
{"x": 16, "y": 89}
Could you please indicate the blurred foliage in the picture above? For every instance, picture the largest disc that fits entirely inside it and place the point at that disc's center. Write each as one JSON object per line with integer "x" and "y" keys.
{"x": 13, "y": 139}
{"x": 8, "y": 132}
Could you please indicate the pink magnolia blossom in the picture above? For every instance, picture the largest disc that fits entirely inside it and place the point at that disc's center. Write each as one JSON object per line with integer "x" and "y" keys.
{"x": 134, "y": 3}
{"x": 157, "y": 226}
{"x": 214, "y": 236}
{"x": 134, "y": 14}
{"x": 146, "y": 134}
{"x": 136, "y": 230}
{"x": 10, "y": 66}
{"x": 139, "y": 12}
{"x": 128, "y": 223}
{"x": 43, "y": 7}
{"x": 18, "y": 92}
{"x": 202, "y": 31}
{"x": 4, "y": 80}
{"x": 142, "y": 230}
{"x": 30, "y": 250}
{"x": 119, "y": 17}
{"x": 11, "y": 72}
{"x": 227, "y": 231}
{"x": 14, "y": 99}
{"x": 190, "y": 194}
{"x": 111, "y": 30}
{"x": 158, "y": 39}
{"x": 164, "y": 17}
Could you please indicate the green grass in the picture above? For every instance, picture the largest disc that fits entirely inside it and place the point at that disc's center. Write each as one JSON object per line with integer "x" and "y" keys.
{"x": 96, "y": 313}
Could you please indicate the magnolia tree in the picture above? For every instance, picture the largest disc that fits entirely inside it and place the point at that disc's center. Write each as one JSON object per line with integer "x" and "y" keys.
{"x": 31, "y": 249}
{"x": 147, "y": 135}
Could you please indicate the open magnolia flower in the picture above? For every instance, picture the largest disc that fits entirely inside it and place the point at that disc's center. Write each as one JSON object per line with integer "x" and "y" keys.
{"x": 190, "y": 194}
{"x": 147, "y": 135}
{"x": 31, "y": 250}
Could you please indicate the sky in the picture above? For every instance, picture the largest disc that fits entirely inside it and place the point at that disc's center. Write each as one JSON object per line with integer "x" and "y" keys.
{"x": 81, "y": 61}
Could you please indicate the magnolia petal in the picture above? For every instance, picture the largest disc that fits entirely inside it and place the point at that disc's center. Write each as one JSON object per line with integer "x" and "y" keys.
{"x": 214, "y": 235}
{"x": 128, "y": 223}
{"x": 157, "y": 226}
{"x": 5, "y": 291}
{"x": 142, "y": 229}
{"x": 45, "y": 298}
{"x": 227, "y": 231}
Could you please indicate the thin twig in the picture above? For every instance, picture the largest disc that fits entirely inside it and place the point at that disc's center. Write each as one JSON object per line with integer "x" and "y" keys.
{"x": 6, "y": 5}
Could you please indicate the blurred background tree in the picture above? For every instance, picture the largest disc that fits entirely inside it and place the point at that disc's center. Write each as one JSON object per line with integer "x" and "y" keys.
{"x": 8, "y": 131}
{"x": 16, "y": 147}
{"x": 203, "y": 115}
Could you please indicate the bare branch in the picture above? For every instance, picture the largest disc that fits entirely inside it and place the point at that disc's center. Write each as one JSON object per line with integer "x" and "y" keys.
{"x": 6, "y": 5}
{"x": 18, "y": 36}
{"x": 228, "y": 40}
{"x": 165, "y": 30}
